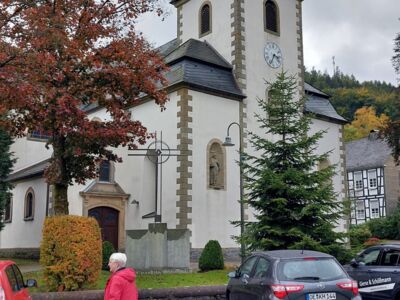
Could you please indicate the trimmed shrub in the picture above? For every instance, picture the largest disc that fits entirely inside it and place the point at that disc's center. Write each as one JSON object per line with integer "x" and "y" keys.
{"x": 70, "y": 252}
{"x": 381, "y": 228}
{"x": 211, "y": 258}
{"x": 359, "y": 234}
{"x": 108, "y": 249}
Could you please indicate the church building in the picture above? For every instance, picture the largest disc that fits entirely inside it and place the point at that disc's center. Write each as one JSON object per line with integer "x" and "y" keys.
{"x": 185, "y": 177}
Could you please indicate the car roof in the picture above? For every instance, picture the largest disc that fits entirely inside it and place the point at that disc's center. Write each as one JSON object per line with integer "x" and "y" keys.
{"x": 286, "y": 254}
{"x": 5, "y": 263}
{"x": 391, "y": 245}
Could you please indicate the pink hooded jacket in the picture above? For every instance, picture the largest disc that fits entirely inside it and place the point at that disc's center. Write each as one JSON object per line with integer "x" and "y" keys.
{"x": 121, "y": 285}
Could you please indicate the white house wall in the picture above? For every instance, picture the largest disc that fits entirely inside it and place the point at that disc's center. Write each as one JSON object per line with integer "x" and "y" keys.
{"x": 214, "y": 209}
{"x": 220, "y": 36}
{"x": 34, "y": 152}
{"x": 20, "y": 233}
{"x": 332, "y": 142}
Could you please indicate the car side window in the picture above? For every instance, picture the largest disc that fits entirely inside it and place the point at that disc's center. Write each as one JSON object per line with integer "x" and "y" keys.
{"x": 261, "y": 268}
{"x": 247, "y": 266}
{"x": 369, "y": 257}
{"x": 391, "y": 258}
{"x": 12, "y": 279}
{"x": 19, "y": 277}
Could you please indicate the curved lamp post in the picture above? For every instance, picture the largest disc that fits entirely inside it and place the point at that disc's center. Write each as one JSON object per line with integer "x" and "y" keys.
{"x": 228, "y": 143}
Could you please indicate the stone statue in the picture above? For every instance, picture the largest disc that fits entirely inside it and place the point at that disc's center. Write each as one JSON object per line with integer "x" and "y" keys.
{"x": 214, "y": 170}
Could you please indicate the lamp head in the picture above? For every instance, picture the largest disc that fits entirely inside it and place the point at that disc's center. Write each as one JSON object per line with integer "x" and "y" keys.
{"x": 228, "y": 142}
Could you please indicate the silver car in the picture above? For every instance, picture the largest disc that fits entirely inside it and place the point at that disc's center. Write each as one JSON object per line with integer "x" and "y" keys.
{"x": 291, "y": 274}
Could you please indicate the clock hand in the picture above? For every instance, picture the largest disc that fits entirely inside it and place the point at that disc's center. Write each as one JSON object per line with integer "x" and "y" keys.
{"x": 272, "y": 59}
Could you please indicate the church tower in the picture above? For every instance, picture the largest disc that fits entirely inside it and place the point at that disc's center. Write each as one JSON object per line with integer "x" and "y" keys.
{"x": 258, "y": 37}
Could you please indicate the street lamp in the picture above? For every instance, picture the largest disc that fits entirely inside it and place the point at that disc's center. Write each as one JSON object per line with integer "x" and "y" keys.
{"x": 228, "y": 143}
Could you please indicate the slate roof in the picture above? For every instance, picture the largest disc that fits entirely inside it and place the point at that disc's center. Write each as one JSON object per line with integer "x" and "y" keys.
{"x": 200, "y": 66}
{"x": 367, "y": 153}
{"x": 29, "y": 172}
{"x": 199, "y": 51}
{"x": 318, "y": 104}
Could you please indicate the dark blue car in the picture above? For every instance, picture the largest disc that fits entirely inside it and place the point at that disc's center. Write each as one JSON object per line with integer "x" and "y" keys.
{"x": 291, "y": 275}
{"x": 377, "y": 271}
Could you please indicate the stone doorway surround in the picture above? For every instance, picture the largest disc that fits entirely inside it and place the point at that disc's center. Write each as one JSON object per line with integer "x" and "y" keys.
{"x": 109, "y": 195}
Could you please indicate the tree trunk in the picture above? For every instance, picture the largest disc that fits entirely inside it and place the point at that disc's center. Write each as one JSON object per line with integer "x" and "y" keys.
{"x": 60, "y": 180}
{"x": 61, "y": 199}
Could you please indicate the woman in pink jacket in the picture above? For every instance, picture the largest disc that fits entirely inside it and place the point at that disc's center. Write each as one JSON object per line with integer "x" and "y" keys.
{"x": 121, "y": 284}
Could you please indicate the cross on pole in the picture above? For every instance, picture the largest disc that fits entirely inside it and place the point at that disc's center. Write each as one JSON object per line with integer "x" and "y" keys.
{"x": 158, "y": 152}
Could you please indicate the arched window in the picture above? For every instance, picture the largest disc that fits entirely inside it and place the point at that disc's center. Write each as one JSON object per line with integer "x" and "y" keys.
{"x": 271, "y": 17}
{"x": 8, "y": 211}
{"x": 205, "y": 19}
{"x": 29, "y": 205}
{"x": 105, "y": 171}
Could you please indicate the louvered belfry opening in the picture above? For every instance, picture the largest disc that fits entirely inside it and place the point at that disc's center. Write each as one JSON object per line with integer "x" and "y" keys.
{"x": 205, "y": 19}
{"x": 271, "y": 16}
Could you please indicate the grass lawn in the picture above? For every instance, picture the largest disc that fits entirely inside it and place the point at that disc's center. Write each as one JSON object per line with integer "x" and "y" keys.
{"x": 218, "y": 277}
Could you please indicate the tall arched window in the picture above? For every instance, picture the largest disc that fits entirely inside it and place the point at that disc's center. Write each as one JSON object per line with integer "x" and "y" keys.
{"x": 205, "y": 19}
{"x": 29, "y": 205}
{"x": 271, "y": 17}
{"x": 8, "y": 211}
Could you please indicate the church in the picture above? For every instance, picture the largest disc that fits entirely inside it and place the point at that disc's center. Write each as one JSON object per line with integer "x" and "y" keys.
{"x": 185, "y": 177}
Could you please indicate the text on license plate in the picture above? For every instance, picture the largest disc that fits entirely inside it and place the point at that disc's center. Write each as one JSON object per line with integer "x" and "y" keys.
{"x": 321, "y": 296}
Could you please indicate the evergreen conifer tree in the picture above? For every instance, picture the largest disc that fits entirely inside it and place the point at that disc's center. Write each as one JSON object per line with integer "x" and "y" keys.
{"x": 292, "y": 196}
{"x": 6, "y": 163}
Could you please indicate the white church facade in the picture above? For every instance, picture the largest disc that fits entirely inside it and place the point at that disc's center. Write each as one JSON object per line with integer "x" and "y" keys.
{"x": 224, "y": 52}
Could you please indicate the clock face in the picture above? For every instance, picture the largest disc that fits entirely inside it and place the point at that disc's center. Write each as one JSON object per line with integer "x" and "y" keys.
{"x": 273, "y": 55}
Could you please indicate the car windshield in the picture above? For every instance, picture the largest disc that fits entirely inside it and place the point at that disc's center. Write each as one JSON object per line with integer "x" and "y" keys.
{"x": 323, "y": 269}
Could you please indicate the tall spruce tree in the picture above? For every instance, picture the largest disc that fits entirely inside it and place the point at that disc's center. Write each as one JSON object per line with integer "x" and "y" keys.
{"x": 293, "y": 198}
{"x": 6, "y": 163}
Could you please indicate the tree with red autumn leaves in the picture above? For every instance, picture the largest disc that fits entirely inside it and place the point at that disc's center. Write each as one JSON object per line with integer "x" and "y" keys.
{"x": 58, "y": 57}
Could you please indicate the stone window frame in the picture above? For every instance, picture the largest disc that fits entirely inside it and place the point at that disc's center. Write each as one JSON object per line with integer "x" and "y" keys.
{"x": 10, "y": 208}
{"x": 32, "y": 215}
{"x": 201, "y": 33}
{"x": 209, "y": 145}
{"x": 277, "y": 18}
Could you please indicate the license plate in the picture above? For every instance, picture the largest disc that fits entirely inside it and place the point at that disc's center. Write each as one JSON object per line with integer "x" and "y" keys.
{"x": 321, "y": 296}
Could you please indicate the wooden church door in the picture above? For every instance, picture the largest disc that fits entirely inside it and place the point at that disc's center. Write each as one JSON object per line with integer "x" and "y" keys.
{"x": 107, "y": 218}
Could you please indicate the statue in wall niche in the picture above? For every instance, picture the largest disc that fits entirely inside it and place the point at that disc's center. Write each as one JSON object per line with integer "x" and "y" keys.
{"x": 215, "y": 168}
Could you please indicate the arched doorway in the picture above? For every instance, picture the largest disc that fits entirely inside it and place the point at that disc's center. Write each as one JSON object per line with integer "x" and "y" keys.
{"x": 108, "y": 222}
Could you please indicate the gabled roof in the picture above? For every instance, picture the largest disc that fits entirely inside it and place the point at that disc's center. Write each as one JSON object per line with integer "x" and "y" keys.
{"x": 367, "y": 153}
{"x": 318, "y": 104}
{"x": 35, "y": 170}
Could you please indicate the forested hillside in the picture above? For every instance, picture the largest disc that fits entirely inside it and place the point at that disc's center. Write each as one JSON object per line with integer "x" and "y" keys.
{"x": 367, "y": 105}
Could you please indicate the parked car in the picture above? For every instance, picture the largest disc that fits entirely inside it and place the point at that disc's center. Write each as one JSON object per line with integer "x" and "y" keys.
{"x": 377, "y": 272}
{"x": 12, "y": 285}
{"x": 291, "y": 275}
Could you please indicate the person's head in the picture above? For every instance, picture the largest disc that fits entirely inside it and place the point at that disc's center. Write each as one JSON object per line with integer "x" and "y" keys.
{"x": 117, "y": 261}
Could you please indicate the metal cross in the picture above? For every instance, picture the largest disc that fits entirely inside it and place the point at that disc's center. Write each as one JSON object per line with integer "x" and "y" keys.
{"x": 157, "y": 152}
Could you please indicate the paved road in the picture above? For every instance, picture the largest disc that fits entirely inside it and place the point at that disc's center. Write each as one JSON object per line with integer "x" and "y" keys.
{"x": 30, "y": 268}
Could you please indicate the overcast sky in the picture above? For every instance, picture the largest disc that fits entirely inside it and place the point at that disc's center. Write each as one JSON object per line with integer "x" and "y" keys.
{"x": 359, "y": 33}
